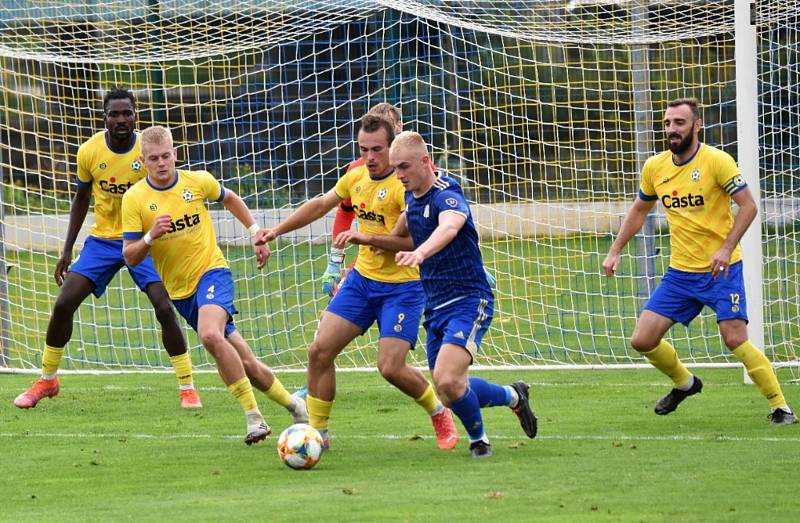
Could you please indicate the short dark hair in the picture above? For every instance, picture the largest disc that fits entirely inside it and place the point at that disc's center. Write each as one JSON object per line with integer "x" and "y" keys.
{"x": 118, "y": 93}
{"x": 371, "y": 123}
{"x": 693, "y": 103}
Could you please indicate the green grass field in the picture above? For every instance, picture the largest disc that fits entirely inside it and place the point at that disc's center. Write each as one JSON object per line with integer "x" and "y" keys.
{"x": 552, "y": 306}
{"x": 118, "y": 447}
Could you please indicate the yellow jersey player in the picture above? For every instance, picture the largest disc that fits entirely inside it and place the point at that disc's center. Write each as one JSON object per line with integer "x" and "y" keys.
{"x": 695, "y": 184}
{"x": 108, "y": 165}
{"x": 165, "y": 215}
{"x": 375, "y": 290}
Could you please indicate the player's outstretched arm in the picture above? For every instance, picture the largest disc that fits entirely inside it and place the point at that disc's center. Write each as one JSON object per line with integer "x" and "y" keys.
{"x": 77, "y": 215}
{"x": 630, "y": 226}
{"x": 309, "y": 212}
{"x": 236, "y": 206}
{"x": 449, "y": 225}
{"x": 398, "y": 240}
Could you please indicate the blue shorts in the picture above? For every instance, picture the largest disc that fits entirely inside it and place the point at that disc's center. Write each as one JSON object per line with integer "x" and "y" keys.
{"x": 215, "y": 287}
{"x": 681, "y": 295}
{"x": 100, "y": 259}
{"x": 462, "y": 323}
{"x": 397, "y": 307}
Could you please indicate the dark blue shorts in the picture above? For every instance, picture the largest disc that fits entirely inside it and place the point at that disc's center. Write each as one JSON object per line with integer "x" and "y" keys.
{"x": 215, "y": 287}
{"x": 397, "y": 307}
{"x": 681, "y": 295}
{"x": 463, "y": 323}
{"x": 100, "y": 259}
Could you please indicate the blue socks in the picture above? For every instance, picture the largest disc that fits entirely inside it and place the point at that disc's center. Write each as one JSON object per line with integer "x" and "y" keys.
{"x": 468, "y": 410}
{"x": 480, "y": 393}
{"x": 490, "y": 394}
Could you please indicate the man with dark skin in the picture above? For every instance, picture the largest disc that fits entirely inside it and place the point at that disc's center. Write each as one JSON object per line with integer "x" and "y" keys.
{"x": 108, "y": 165}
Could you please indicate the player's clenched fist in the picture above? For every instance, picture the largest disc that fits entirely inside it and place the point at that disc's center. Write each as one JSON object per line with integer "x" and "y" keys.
{"x": 161, "y": 225}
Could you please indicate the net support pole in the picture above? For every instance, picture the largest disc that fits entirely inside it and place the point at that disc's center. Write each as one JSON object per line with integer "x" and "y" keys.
{"x": 747, "y": 147}
{"x": 642, "y": 108}
{"x": 4, "y": 267}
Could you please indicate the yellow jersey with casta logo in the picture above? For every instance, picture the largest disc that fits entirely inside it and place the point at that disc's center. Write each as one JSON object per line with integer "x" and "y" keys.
{"x": 189, "y": 249}
{"x": 697, "y": 201}
{"x": 110, "y": 174}
{"x": 378, "y": 204}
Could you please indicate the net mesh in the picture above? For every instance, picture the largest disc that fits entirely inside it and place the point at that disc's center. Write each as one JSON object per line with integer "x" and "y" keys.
{"x": 544, "y": 111}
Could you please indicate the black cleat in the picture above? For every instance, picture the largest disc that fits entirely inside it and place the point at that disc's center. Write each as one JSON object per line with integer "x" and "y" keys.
{"x": 480, "y": 449}
{"x": 782, "y": 417}
{"x": 671, "y": 401}
{"x": 523, "y": 409}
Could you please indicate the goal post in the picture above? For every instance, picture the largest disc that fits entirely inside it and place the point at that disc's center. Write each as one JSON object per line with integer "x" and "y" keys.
{"x": 543, "y": 110}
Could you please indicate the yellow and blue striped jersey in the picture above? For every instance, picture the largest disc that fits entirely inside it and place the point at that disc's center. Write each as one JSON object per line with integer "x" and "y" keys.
{"x": 189, "y": 249}
{"x": 110, "y": 174}
{"x": 378, "y": 204}
{"x": 696, "y": 196}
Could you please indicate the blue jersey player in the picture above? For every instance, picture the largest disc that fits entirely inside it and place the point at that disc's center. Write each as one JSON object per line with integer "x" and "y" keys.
{"x": 458, "y": 298}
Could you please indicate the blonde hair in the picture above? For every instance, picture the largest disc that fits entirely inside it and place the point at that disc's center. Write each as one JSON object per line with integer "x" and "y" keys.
{"x": 409, "y": 140}
{"x": 156, "y": 135}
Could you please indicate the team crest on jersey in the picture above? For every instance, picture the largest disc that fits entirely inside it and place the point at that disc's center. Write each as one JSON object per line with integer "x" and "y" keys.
{"x": 696, "y": 175}
{"x": 187, "y": 195}
{"x": 102, "y": 165}
{"x": 427, "y": 211}
{"x": 452, "y": 202}
{"x": 136, "y": 165}
{"x": 382, "y": 194}
{"x": 153, "y": 207}
{"x": 358, "y": 188}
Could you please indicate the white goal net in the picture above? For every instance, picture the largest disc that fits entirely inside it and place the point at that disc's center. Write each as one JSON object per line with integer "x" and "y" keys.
{"x": 543, "y": 109}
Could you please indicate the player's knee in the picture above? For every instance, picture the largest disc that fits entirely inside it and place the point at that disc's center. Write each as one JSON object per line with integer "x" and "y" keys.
{"x": 389, "y": 369}
{"x": 643, "y": 343}
{"x": 733, "y": 339}
{"x": 319, "y": 354}
{"x": 210, "y": 338}
{"x": 64, "y": 307}
{"x": 164, "y": 313}
{"x": 449, "y": 385}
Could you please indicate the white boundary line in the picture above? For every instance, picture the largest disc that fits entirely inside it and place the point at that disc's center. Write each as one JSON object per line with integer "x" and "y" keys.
{"x": 564, "y": 367}
{"x": 556, "y": 437}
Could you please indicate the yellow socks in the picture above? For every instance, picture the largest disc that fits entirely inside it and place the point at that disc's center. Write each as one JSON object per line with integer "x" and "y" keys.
{"x": 277, "y": 393}
{"x": 428, "y": 400}
{"x": 760, "y": 371}
{"x": 665, "y": 359}
{"x": 183, "y": 369}
{"x": 243, "y": 391}
{"x": 319, "y": 411}
{"x": 51, "y": 359}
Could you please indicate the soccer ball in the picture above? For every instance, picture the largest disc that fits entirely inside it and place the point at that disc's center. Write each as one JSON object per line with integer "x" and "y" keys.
{"x": 300, "y": 446}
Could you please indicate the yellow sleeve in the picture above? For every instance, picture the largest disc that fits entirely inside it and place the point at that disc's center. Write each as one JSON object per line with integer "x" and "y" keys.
{"x": 646, "y": 189}
{"x": 727, "y": 173}
{"x": 212, "y": 189}
{"x": 400, "y": 198}
{"x": 131, "y": 217}
{"x": 343, "y": 186}
{"x": 84, "y": 165}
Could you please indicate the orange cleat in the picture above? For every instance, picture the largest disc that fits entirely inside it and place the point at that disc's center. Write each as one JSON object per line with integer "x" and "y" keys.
{"x": 41, "y": 388}
{"x": 190, "y": 399}
{"x": 446, "y": 433}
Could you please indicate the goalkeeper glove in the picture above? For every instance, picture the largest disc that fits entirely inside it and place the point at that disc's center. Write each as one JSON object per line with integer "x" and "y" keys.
{"x": 333, "y": 274}
{"x": 490, "y": 277}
